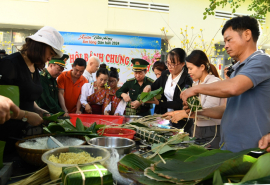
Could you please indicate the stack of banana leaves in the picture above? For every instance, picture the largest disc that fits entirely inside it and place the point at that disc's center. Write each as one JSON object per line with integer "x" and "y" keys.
{"x": 65, "y": 127}
{"x": 197, "y": 165}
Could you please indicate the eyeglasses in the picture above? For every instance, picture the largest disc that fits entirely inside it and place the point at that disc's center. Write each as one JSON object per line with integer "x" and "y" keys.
{"x": 112, "y": 81}
{"x": 172, "y": 65}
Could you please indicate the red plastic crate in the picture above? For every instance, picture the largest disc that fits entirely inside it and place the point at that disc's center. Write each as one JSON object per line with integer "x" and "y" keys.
{"x": 117, "y": 132}
{"x": 88, "y": 119}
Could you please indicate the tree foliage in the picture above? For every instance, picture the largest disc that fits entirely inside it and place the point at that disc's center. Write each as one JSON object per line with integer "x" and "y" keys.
{"x": 260, "y": 7}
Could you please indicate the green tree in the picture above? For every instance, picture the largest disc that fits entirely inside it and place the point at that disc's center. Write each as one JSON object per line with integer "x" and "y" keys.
{"x": 260, "y": 7}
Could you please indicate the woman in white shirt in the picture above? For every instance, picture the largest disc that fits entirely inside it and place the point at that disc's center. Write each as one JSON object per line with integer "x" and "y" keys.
{"x": 200, "y": 68}
{"x": 176, "y": 76}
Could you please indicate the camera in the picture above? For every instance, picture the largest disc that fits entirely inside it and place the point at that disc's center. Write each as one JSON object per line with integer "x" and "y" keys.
{"x": 230, "y": 70}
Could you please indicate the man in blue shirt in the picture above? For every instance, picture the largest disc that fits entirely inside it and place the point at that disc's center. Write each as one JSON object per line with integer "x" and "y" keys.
{"x": 246, "y": 118}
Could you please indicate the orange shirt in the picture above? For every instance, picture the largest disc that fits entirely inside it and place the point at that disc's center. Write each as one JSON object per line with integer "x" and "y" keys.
{"x": 72, "y": 91}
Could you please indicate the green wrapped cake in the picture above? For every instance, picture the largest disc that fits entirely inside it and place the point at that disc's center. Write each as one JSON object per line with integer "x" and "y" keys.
{"x": 94, "y": 174}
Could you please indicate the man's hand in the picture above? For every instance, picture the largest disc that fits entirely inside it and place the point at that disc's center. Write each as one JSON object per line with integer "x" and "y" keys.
{"x": 6, "y": 105}
{"x": 34, "y": 119}
{"x": 125, "y": 97}
{"x": 135, "y": 104}
{"x": 147, "y": 88}
{"x": 88, "y": 109}
{"x": 225, "y": 72}
{"x": 187, "y": 93}
{"x": 264, "y": 142}
{"x": 78, "y": 112}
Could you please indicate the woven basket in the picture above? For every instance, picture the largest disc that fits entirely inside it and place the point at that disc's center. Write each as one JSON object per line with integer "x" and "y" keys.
{"x": 33, "y": 156}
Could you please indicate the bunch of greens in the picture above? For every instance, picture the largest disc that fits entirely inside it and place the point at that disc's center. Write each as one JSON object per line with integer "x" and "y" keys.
{"x": 65, "y": 127}
{"x": 145, "y": 96}
{"x": 196, "y": 165}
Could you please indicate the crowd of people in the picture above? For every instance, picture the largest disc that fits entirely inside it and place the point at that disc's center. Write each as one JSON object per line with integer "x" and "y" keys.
{"x": 236, "y": 111}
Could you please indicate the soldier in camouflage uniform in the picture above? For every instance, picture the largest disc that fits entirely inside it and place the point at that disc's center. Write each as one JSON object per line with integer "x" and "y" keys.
{"x": 134, "y": 87}
{"x": 49, "y": 97}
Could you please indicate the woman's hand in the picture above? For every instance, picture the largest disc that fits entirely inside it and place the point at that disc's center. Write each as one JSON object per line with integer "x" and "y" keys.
{"x": 88, "y": 109}
{"x": 156, "y": 102}
{"x": 117, "y": 114}
{"x": 125, "y": 97}
{"x": 135, "y": 104}
{"x": 66, "y": 114}
{"x": 78, "y": 112}
{"x": 264, "y": 142}
{"x": 33, "y": 118}
{"x": 179, "y": 115}
{"x": 168, "y": 115}
{"x": 106, "y": 113}
{"x": 6, "y": 105}
{"x": 187, "y": 110}
{"x": 147, "y": 88}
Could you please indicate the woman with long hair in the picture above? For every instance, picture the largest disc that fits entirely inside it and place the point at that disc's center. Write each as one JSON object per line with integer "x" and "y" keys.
{"x": 97, "y": 94}
{"x": 171, "y": 80}
{"x": 22, "y": 69}
{"x": 199, "y": 68}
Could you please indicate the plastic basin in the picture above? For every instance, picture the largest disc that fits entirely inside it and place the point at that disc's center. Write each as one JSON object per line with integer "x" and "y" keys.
{"x": 117, "y": 132}
{"x": 88, "y": 119}
{"x": 55, "y": 169}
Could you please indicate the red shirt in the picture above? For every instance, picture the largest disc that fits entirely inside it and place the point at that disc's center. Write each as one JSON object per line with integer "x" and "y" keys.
{"x": 72, "y": 91}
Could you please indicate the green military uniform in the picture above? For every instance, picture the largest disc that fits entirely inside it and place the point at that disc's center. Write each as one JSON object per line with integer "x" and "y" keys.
{"x": 134, "y": 89}
{"x": 49, "y": 97}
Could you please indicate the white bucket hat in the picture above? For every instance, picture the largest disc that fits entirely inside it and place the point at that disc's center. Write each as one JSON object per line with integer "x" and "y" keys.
{"x": 50, "y": 36}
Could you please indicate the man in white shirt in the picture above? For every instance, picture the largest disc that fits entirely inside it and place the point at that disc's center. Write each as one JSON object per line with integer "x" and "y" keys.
{"x": 92, "y": 67}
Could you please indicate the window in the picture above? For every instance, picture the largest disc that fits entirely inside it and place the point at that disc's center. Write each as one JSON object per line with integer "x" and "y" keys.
{"x": 12, "y": 39}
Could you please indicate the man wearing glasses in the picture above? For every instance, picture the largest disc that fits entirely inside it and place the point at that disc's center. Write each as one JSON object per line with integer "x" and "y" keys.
{"x": 49, "y": 97}
{"x": 134, "y": 87}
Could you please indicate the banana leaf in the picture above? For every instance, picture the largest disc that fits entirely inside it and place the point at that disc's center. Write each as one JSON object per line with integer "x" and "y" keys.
{"x": 54, "y": 127}
{"x": 161, "y": 148}
{"x": 263, "y": 180}
{"x": 2, "y": 147}
{"x": 151, "y": 175}
{"x": 79, "y": 125}
{"x": 53, "y": 117}
{"x": 208, "y": 153}
{"x": 217, "y": 179}
{"x": 194, "y": 170}
{"x": 144, "y": 97}
{"x": 92, "y": 128}
{"x": 132, "y": 163}
{"x": 67, "y": 125}
{"x": 12, "y": 92}
{"x": 261, "y": 168}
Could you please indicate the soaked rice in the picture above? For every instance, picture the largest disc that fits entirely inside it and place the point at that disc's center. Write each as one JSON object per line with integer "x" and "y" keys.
{"x": 41, "y": 142}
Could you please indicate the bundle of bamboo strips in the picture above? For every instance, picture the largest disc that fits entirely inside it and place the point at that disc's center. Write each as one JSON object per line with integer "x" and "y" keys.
{"x": 37, "y": 178}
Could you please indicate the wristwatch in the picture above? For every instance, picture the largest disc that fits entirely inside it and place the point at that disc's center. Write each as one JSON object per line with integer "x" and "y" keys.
{"x": 24, "y": 119}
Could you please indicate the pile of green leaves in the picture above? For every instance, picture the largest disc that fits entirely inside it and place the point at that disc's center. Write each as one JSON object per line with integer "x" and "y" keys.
{"x": 196, "y": 165}
{"x": 65, "y": 127}
{"x": 149, "y": 96}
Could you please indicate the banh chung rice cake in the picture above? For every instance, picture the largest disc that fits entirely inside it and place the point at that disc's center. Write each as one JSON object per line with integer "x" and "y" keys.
{"x": 41, "y": 142}
{"x": 74, "y": 158}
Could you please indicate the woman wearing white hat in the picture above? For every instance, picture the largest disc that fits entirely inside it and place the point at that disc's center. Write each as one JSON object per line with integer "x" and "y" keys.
{"x": 22, "y": 69}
